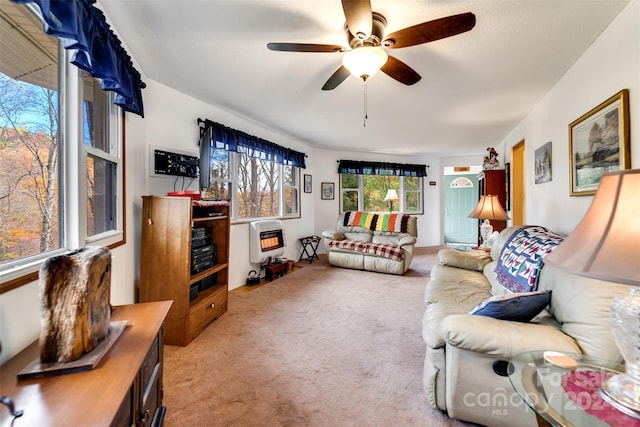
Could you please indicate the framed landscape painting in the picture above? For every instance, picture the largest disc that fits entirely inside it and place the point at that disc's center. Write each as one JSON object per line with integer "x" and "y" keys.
{"x": 543, "y": 163}
{"x": 599, "y": 142}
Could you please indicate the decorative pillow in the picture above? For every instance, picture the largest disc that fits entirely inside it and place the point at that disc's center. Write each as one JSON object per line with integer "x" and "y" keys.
{"x": 520, "y": 307}
{"x": 359, "y": 237}
{"x": 468, "y": 260}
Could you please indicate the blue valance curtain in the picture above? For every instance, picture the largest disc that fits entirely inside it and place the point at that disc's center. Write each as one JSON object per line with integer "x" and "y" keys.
{"x": 229, "y": 139}
{"x": 381, "y": 168}
{"x": 83, "y": 28}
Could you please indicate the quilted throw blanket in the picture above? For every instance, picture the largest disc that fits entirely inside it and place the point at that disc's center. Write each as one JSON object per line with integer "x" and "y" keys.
{"x": 376, "y": 222}
{"x": 521, "y": 258}
{"x": 386, "y": 251}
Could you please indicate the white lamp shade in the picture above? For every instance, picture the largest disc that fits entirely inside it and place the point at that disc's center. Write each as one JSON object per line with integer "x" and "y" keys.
{"x": 392, "y": 196}
{"x": 605, "y": 243}
{"x": 489, "y": 207}
{"x": 364, "y": 62}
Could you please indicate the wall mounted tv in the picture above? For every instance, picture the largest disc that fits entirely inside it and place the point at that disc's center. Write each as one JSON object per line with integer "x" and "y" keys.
{"x": 206, "y": 135}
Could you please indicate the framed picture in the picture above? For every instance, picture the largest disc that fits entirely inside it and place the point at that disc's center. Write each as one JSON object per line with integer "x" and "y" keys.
{"x": 543, "y": 163}
{"x": 307, "y": 183}
{"x": 327, "y": 190}
{"x": 599, "y": 142}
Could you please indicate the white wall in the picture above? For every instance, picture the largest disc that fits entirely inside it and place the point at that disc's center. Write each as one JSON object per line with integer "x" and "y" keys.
{"x": 612, "y": 63}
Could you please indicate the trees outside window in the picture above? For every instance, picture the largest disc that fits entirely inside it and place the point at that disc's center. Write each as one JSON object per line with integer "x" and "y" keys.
{"x": 367, "y": 193}
{"x": 47, "y": 209}
{"x": 29, "y": 152}
{"x": 258, "y": 188}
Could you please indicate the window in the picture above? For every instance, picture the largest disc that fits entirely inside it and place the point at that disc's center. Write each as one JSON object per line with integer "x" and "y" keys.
{"x": 45, "y": 208}
{"x": 262, "y": 179}
{"x": 367, "y": 193}
{"x": 364, "y": 186}
{"x": 220, "y": 184}
{"x": 29, "y": 142}
{"x": 259, "y": 188}
{"x": 290, "y": 190}
{"x": 103, "y": 161}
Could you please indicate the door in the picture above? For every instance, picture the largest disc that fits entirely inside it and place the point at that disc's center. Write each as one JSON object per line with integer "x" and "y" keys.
{"x": 460, "y": 198}
{"x": 517, "y": 187}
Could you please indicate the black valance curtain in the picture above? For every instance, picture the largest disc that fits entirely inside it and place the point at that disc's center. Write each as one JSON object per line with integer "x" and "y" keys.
{"x": 83, "y": 28}
{"x": 381, "y": 168}
{"x": 226, "y": 138}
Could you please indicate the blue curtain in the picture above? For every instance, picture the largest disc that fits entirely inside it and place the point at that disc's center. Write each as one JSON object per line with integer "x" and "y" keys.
{"x": 229, "y": 139}
{"x": 381, "y": 168}
{"x": 83, "y": 28}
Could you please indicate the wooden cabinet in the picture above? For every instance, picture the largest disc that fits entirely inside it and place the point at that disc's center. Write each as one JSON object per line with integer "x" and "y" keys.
{"x": 185, "y": 258}
{"x": 124, "y": 389}
{"x": 494, "y": 182}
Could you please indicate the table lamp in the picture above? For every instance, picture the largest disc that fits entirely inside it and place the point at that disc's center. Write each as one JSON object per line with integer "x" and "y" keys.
{"x": 488, "y": 208}
{"x": 392, "y": 196}
{"x": 605, "y": 246}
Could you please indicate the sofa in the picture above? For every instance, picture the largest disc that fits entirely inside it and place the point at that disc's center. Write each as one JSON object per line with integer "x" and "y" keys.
{"x": 371, "y": 241}
{"x": 461, "y": 348}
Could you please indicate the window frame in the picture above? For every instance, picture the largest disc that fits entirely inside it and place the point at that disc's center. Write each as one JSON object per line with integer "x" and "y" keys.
{"x": 402, "y": 194}
{"x": 232, "y": 182}
{"x": 295, "y": 187}
{"x": 72, "y": 182}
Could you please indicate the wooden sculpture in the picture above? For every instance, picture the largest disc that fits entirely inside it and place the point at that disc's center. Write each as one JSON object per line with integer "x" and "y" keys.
{"x": 74, "y": 294}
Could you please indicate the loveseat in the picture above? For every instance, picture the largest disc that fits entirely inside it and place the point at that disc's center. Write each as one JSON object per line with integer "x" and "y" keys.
{"x": 461, "y": 348}
{"x": 369, "y": 241}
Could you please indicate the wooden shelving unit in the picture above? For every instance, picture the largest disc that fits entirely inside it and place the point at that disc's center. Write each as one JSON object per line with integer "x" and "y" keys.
{"x": 200, "y": 297}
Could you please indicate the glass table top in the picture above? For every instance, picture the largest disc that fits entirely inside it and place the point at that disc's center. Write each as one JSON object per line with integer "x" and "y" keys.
{"x": 565, "y": 390}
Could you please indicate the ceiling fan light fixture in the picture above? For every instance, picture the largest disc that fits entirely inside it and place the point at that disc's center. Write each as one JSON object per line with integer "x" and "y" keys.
{"x": 363, "y": 62}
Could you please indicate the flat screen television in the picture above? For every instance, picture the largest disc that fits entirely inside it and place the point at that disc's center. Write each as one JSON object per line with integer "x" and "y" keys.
{"x": 204, "y": 163}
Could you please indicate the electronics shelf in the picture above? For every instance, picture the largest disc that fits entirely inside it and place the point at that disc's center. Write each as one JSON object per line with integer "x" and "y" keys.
{"x": 185, "y": 258}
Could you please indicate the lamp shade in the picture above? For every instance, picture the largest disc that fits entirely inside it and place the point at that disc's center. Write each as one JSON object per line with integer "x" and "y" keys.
{"x": 605, "y": 243}
{"x": 489, "y": 207}
{"x": 392, "y": 196}
{"x": 363, "y": 62}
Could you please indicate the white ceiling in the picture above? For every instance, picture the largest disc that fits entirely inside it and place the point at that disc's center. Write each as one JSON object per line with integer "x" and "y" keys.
{"x": 475, "y": 86}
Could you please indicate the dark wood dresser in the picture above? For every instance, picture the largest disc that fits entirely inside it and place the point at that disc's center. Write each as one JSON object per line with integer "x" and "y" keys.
{"x": 125, "y": 388}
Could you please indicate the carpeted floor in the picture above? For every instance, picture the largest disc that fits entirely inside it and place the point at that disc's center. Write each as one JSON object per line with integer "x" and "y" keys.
{"x": 322, "y": 346}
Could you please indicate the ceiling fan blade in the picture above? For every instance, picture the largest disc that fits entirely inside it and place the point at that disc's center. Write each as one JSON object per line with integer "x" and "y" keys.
{"x": 359, "y": 17}
{"x": 400, "y": 71}
{"x": 336, "y": 78}
{"x": 304, "y": 47}
{"x": 431, "y": 30}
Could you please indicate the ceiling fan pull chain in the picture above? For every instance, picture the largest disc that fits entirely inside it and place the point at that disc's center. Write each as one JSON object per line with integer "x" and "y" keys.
{"x": 364, "y": 122}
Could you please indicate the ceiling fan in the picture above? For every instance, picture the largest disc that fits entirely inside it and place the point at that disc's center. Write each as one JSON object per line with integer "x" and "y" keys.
{"x": 365, "y": 34}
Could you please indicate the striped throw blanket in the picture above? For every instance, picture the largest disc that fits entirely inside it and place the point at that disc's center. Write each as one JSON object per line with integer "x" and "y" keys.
{"x": 393, "y": 252}
{"x": 377, "y": 222}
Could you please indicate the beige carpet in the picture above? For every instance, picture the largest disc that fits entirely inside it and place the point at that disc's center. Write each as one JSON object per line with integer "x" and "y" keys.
{"x": 322, "y": 346}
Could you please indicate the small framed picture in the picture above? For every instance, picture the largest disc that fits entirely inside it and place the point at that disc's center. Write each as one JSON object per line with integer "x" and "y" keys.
{"x": 327, "y": 190}
{"x": 307, "y": 183}
{"x": 543, "y": 163}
